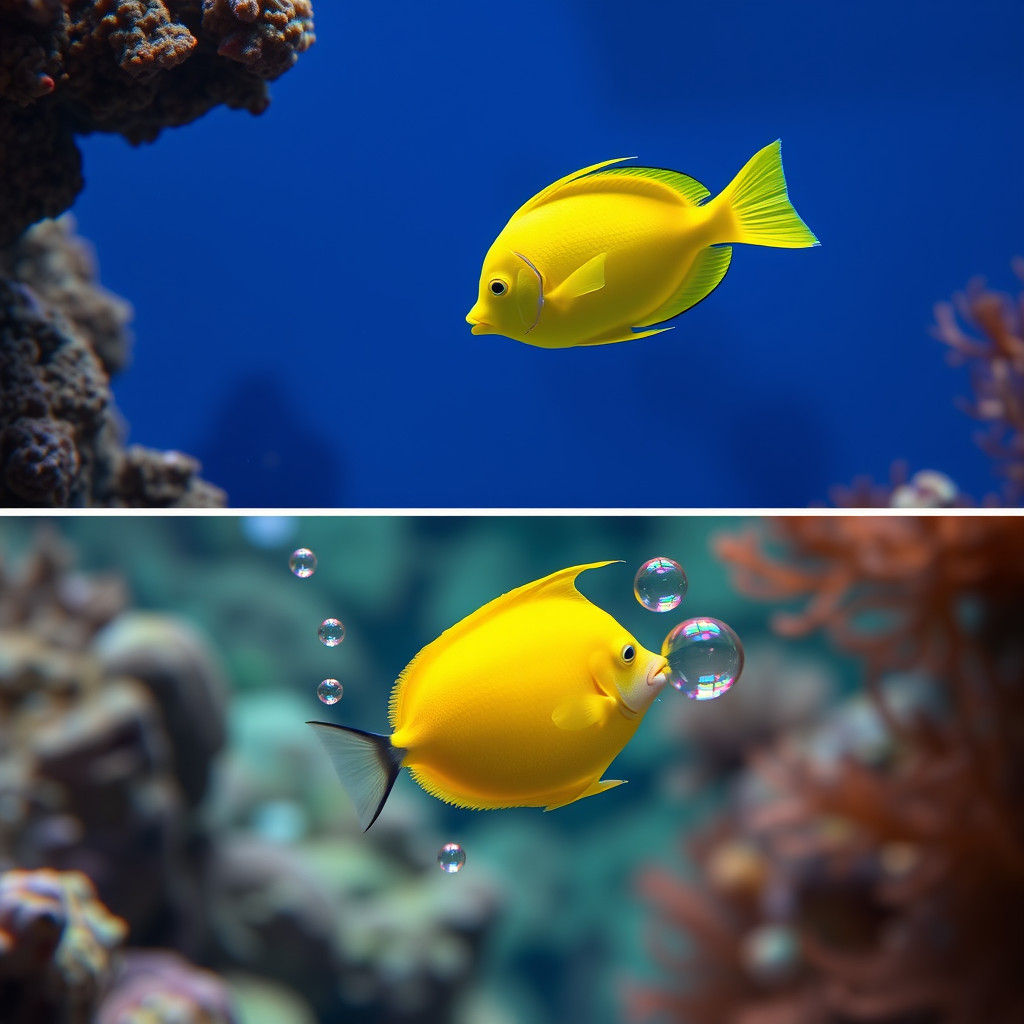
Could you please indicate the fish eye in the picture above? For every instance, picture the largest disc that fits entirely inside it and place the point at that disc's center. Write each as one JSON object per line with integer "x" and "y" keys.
{"x": 628, "y": 653}
{"x": 498, "y": 287}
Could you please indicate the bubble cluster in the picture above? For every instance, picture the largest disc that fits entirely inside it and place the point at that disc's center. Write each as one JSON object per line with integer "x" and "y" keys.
{"x": 705, "y": 658}
{"x": 302, "y": 563}
{"x": 660, "y": 585}
{"x": 450, "y": 858}
{"x": 331, "y": 632}
{"x": 330, "y": 691}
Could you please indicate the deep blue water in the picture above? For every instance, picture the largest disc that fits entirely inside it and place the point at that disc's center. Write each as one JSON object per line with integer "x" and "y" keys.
{"x": 301, "y": 279}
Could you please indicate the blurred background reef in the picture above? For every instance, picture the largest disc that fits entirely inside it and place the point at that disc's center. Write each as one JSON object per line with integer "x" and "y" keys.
{"x": 837, "y": 840}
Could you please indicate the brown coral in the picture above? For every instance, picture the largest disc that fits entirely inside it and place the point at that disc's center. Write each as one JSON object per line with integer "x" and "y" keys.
{"x": 995, "y": 361}
{"x": 88, "y": 765}
{"x": 60, "y": 268}
{"x": 60, "y": 439}
{"x": 132, "y": 67}
{"x": 896, "y": 870}
{"x": 994, "y": 356}
{"x": 266, "y": 37}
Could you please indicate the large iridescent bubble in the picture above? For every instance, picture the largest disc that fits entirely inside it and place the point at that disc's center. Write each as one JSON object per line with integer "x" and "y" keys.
{"x": 705, "y": 658}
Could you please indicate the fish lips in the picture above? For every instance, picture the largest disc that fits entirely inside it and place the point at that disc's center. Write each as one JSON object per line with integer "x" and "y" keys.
{"x": 658, "y": 674}
{"x": 478, "y": 326}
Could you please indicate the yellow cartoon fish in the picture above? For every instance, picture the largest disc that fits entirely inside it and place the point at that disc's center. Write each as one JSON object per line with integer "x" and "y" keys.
{"x": 600, "y": 254}
{"x": 524, "y": 703}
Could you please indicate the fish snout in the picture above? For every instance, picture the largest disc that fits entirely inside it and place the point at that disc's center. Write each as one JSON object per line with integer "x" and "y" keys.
{"x": 478, "y": 325}
{"x": 658, "y": 673}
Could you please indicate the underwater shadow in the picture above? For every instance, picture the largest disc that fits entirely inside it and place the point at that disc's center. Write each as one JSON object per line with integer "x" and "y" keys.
{"x": 265, "y": 453}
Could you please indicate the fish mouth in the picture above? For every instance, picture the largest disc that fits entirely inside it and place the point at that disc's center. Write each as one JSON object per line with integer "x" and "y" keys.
{"x": 479, "y": 326}
{"x": 658, "y": 674}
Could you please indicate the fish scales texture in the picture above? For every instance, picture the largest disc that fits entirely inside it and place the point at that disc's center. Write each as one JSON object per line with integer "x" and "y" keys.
{"x": 479, "y": 717}
{"x": 524, "y": 703}
{"x": 613, "y": 250}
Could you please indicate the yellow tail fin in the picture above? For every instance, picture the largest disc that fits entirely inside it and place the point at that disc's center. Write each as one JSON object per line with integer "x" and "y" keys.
{"x": 760, "y": 206}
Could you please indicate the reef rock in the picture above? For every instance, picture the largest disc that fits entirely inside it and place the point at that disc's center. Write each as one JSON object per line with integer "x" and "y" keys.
{"x": 133, "y": 67}
{"x": 61, "y": 335}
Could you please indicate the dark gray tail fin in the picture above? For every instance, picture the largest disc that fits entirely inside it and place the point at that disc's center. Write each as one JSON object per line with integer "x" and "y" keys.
{"x": 366, "y": 763}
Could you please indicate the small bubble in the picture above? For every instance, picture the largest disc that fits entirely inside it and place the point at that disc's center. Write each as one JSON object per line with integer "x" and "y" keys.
{"x": 331, "y": 632}
{"x": 660, "y": 585}
{"x": 705, "y": 657}
{"x": 302, "y": 563}
{"x": 330, "y": 691}
{"x": 450, "y": 858}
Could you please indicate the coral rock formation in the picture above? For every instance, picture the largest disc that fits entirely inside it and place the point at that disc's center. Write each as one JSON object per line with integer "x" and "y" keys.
{"x": 61, "y": 334}
{"x": 132, "y": 67}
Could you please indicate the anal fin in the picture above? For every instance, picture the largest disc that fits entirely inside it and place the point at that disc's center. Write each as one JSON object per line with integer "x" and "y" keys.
{"x": 592, "y": 790}
{"x": 628, "y": 336}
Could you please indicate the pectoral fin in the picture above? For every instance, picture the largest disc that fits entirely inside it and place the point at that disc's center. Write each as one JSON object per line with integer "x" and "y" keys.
{"x": 583, "y": 712}
{"x": 592, "y": 790}
{"x": 583, "y": 280}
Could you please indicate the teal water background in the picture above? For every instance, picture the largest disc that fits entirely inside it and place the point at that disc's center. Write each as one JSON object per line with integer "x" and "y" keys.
{"x": 569, "y": 930}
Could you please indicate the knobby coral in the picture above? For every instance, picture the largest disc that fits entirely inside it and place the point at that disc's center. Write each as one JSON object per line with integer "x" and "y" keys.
{"x": 133, "y": 67}
{"x": 61, "y": 335}
{"x": 873, "y": 882}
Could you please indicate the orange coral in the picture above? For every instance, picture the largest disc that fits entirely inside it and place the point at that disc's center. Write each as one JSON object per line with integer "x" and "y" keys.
{"x": 882, "y": 885}
{"x": 996, "y": 366}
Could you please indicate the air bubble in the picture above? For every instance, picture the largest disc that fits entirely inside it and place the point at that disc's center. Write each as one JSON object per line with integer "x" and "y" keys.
{"x": 331, "y": 632}
{"x": 450, "y": 858}
{"x": 705, "y": 658}
{"x": 302, "y": 563}
{"x": 330, "y": 691}
{"x": 660, "y": 585}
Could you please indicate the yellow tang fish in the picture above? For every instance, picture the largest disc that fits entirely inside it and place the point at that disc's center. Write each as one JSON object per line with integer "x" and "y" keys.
{"x": 524, "y": 703}
{"x": 601, "y": 254}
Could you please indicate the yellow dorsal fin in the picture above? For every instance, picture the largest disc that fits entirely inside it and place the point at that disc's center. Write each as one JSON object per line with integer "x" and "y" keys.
{"x": 547, "y": 194}
{"x": 704, "y": 277}
{"x": 689, "y": 188}
{"x": 558, "y": 584}
{"x": 584, "y": 279}
{"x": 583, "y": 712}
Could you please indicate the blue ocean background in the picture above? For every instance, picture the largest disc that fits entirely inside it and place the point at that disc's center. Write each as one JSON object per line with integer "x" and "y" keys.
{"x": 300, "y": 279}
